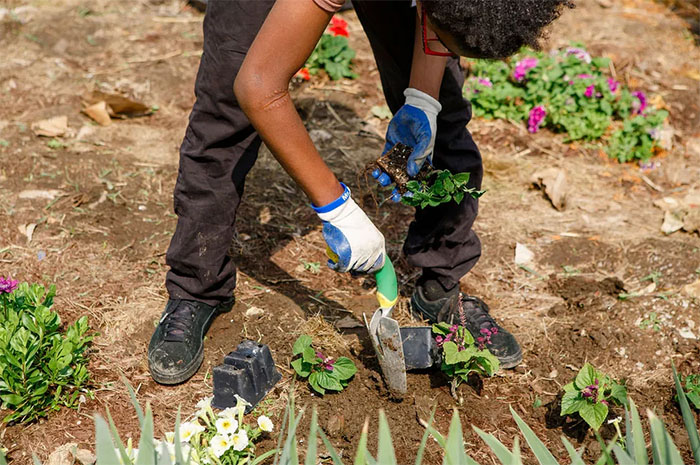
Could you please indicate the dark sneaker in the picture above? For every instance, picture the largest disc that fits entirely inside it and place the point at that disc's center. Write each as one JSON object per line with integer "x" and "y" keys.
{"x": 482, "y": 327}
{"x": 176, "y": 349}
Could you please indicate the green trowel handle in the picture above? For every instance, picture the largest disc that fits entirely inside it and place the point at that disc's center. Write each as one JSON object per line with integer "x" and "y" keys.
{"x": 387, "y": 287}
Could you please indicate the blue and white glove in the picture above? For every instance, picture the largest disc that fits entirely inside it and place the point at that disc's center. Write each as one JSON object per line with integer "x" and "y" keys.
{"x": 351, "y": 236}
{"x": 415, "y": 125}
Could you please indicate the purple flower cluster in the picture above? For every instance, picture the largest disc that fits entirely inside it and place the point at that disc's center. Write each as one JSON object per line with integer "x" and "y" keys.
{"x": 590, "y": 91}
{"x": 536, "y": 118}
{"x": 326, "y": 362}
{"x": 486, "y": 338}
{"x": 486, "y": 82}
{"x": 591, "y": 392}
{"x": 640, "y": 104}
{"x": 612, "y": 85}
{"x": 7, "y": 285}
{"x": 522, "y": 67}
{"x": 452, "y": 335}
{"x": 579, "y": 53}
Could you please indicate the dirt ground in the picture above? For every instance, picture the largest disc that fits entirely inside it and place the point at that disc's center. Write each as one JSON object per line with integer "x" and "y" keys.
{"x": 103, "y": 228}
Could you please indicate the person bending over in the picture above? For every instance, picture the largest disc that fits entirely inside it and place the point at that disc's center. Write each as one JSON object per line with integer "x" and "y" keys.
{"x": 252, "y": 49}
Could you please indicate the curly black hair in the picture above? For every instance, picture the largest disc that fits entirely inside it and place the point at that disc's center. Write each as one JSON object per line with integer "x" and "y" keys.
{"x": 494, "y": 28}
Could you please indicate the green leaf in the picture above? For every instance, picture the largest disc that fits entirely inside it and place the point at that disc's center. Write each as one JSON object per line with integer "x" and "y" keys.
{"x": 311, "y": 458}
{"x": 302, "y": 368}
{"x": 147, "y": 451}
{"x": 327, "y": 381}
{"x": 301, "y": 344}
{"x": 688, "y": 418}
{"x": 500, "y": 451}
{"x": 573, "y": 455}
{"x": 385, "y": 449}
{"x": 586, "y": 377}
{"x": 309, "y": 356}
{"x": 344, "y": 368}
{"x": 594, "y": 414}
{"x": 104, "y": 447}
{"x": 543, "y": 455}
{"x": 572, "y": 402}
{"x": 314, "y": 382}
{"x": 12, "y": 400}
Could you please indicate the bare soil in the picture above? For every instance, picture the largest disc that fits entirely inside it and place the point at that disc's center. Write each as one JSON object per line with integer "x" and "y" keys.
{"x": 106, "y": 229}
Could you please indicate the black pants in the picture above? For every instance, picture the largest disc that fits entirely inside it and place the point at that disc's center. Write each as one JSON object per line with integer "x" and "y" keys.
{"x": 221, "y": 146}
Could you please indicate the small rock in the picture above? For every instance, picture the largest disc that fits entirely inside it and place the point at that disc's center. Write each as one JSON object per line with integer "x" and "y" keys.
{"x": 553, "y": 182}
{"x": 85, "y": 457}
{"x": 672, "y": 222}
{"x": 320, "y": 135}
{"x": 52, "y": 127}
{"x": 523, "y": 255}
{"x": 254, "y": 311}
{"x": 691, "y": 221}
{"x": 32, "y": 194}
{"x": 686, "y": 333}
{"x": 62, "y": 456}
{"x": 692, "y": 289}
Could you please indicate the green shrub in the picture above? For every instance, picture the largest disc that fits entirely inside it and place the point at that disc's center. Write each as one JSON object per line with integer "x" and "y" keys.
{"x": 441, "y": 186}
{"x": 41, "y": 367}
{"x": 569, "y": 92}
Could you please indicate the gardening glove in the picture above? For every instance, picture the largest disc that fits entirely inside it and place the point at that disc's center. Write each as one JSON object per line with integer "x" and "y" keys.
{"x": 354, "y": 243}
{"x": 415, "y": 125}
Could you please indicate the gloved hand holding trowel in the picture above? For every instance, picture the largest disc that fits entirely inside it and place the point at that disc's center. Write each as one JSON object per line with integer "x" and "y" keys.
{"x": 251, "y": 52}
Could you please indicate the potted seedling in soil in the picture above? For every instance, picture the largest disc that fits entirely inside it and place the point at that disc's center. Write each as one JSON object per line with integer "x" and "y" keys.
{"x": 591, "y": 395}
{"x": 461, "y": 355}
{"x": 430, "y": 187}
{"x": 323, "y": 373}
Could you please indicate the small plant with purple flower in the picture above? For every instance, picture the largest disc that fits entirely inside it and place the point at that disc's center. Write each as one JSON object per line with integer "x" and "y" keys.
{"x": 461, "y": 354}
{"x": 590, "y": 396}
{"x": 570, "y": 92}
{"x": 323, "y": 373}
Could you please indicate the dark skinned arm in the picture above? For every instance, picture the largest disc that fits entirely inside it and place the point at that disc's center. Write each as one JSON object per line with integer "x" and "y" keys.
{"x": 286, "y": 39}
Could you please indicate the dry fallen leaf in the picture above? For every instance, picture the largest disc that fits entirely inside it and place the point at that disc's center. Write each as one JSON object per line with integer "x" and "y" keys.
{"x": 27, "y": 230}
{"x": 48, "y": 194}
{"x": 553, "y": 182}
{"x": 99, "y": 112}
{"x": 119, "y": 106}
{"x": 52, "y": 127}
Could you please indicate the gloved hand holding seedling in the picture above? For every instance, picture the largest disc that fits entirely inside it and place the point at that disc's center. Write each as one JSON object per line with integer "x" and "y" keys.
{"x": 428, "y": 188}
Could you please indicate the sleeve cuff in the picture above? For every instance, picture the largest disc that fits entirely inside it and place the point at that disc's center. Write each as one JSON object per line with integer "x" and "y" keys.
{"x": 334, "y": 204}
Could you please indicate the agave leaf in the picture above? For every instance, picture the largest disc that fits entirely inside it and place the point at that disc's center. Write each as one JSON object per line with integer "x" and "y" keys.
{"x": 331, "y": 450}
{"x": 623, "y": 458}
{"x": 688, "y": 418}
{"x": 501, "y": 451}
{"x": 283, "y": 425}
{"x": 164, "y": 458}
{"x": 290, "y": 455}
{"x": 573, "y": 454}
{"x": 385, "y": 449}
{"x": 104, "y": 447}
{"x": 543, "y": 455}
{"x": 313, "y": 436}
{"x": 454, "y": 446}
{"x": 261, "y": 458}
{"x": 147, "y": 452}
{"x": 2, "y": 459}
{"x": 115, "y": 435}
{"x": 424, "y": 441}
{"x": 134, "y": 400}
{"x": 663, "y": 448}
{"x": 361, "y": 455}
{"x": 177, "y": 440}
{"x": 517, "y": 459}
{"x": 635, "y": 435}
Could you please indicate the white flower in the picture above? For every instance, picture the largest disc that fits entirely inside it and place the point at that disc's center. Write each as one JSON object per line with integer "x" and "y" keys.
{"x": 189, "y": 429}
{"x": 241, "y": 403}
{"x": 265, "y": 423}
{"x": 226, "y": 426}
{"x": 170, "y": 437}
{"x": 204, "y": 406}
{"x": 240, "y": 440}
{"x": 220, "y": 444}
{"x": 230, "y": 412}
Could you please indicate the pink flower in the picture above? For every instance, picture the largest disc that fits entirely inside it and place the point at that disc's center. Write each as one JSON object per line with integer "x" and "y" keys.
{"x": 536, "y": 118}
{"x": 522, "y": 67}
{"x": 7, "y": 285}
{"x": 584, "y": 76}
{"x": 486, "y": 82}
{"x": 612, "y": 85}
{"x": 640, "y": 104}
{"x": 579, "y": 53}
{"x": 339, "y": 27}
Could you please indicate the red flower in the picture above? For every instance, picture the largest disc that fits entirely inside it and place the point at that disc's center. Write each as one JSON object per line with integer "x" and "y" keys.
{"x": 304, "y": 74}
{"x": 339, "y": 27}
